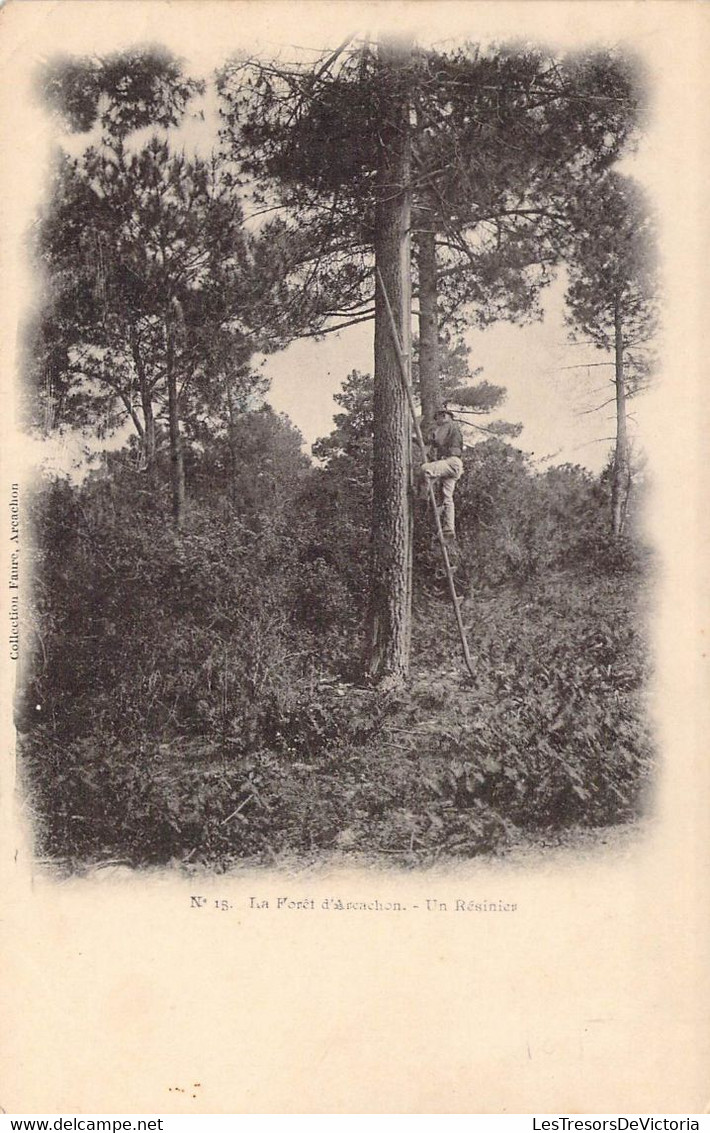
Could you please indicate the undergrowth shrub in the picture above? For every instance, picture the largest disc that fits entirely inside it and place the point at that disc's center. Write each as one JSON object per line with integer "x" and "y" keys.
{"x": 552, "y": 735}
{"x": 147, "y": 631}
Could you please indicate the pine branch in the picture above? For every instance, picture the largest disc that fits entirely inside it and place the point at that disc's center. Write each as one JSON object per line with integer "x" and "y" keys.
{"x": 334, "y": 329}
{"x": 586, "y": 412}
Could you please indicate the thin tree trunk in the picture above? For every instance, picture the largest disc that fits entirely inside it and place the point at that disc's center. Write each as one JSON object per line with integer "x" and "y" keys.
{"x": 429, "y": 384}
{"x": 231, "y": 437}
{"x": 148, "y": 435}
{"x": 177, "y": 467}
{"x": 133, "y": 415}
{"x": 149, "y": 445}
{"x": 620, "y": 483}
{"x": 388, "y": 629}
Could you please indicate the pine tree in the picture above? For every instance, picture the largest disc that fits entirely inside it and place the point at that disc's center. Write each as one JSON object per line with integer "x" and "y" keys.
{"x": 613, "y": 301}
{"x": 496, "y": 139}
{"x": 157, "y": 295}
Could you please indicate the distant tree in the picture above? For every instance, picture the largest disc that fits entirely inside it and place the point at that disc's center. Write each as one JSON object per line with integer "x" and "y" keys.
{"x": 350, "y": 441}
{"x": 613, "y": 300}
{"x": 119, "y": 93}
{"x": 144, "y": 254}
{"x": 254, "y": 463}
{"x": 469, "y": 398}
{"x": 352, "y": 435}
{"x": 156, "y": 294}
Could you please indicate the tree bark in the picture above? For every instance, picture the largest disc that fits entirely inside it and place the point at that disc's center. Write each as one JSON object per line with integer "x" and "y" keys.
{"x": 148, "y": 434}
{"x": 177, "y": 466}
{"x": 128, "y": 405}
{"x": 621, "y": 478}
{"x": 388, "y": 628}
{"x": 429, "y": 384}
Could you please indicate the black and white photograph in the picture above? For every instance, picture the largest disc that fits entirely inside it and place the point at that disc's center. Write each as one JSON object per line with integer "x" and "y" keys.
{"x": 344, "y": 555}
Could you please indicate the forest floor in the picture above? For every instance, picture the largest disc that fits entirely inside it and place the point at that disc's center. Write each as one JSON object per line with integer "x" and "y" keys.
{"x": 549, "y": 851}
{"x": 547, "y": 751}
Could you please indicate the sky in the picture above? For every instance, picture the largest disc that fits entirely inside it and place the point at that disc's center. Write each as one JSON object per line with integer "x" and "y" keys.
{"x": 561, "y": 410}
{"x": 554, "y": 388}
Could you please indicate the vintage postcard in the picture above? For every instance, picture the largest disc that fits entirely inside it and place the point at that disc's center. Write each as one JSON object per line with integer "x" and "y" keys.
{"x": 354, "y": 484}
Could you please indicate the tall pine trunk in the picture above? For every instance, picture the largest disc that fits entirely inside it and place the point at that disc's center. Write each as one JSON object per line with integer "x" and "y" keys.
{"x": 388, "y": 628}
{"x": 621, "y": 477}
{"x": 177, "y": 466}
{"x": 429, "y": 384}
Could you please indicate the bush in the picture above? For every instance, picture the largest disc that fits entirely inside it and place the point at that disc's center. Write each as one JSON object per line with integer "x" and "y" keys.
{"x": 550, "y": 736}
{"x": 145, "y": 631}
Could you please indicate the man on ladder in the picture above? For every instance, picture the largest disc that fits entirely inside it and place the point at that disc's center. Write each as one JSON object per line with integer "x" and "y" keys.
{"x": 446, "y": 441}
